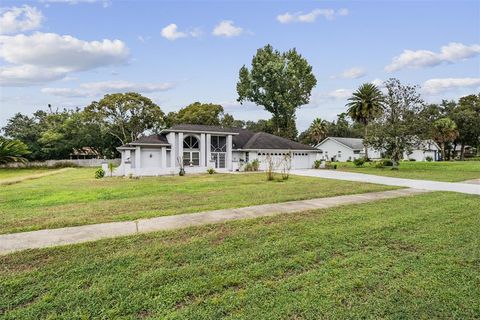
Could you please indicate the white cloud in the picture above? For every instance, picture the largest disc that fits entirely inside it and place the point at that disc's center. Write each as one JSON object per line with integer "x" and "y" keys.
{"x": 105, "y": 3}
{"x": 309, "y": 17}
{"x": 352, "y": 73}
{"x": 143, "y": 39}
{"x": 435, "y": 86}
{"x": 453, "y": 52}
{"x": 48, "y": 56}
{"x": 339, "y": 94}
{"x": 94, "y": 89}
{"x": 19, "y": 19}
{"x": 171, "y": 32}
{"x": 226, "y": 28}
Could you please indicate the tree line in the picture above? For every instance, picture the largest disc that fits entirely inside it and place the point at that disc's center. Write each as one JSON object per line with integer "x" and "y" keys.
{"x": 394, "y": 119}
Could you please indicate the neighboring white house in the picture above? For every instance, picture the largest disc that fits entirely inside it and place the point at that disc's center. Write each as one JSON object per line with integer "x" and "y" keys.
{"x": 200, "y": 147}
{"x": 423, "y": 150}
{"x": 344, "y": 149}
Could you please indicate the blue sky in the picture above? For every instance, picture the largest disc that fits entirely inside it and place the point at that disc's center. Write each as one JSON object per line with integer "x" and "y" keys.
{"x": 70, "y": 52}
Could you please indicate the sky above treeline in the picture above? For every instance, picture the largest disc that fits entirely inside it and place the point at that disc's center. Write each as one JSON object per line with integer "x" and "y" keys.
{"x": 68, "y": 53}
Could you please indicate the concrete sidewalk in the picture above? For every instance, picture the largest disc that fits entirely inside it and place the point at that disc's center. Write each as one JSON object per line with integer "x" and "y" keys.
{"x": 62, "y": 236}
{"x": 461, "y": 187}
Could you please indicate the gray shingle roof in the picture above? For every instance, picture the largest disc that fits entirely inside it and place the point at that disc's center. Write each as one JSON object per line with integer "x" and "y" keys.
{"x": 263, "y": 140}
{"x": 353, "y": 143}
{"x": 242, "y": 138}
{"x": 200, "y": 128}
{"x": 154, "y": 139}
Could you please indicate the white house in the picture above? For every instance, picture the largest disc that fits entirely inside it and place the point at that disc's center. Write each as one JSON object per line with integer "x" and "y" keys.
{"x": 423, "y": 150}
{"x": 200, "y": 147}
{"x": 344, "y": 149}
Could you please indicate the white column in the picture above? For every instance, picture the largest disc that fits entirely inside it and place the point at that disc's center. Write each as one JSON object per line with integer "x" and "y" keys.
{"x": 173, "y": 150}
{"x": 203, "y": 162}
{"x": 229, "y": 157}
{"x": 180, "y": 144}
{"x": 137, "y": 158}
{"x": 209, "y": 155}
{"x": 164, "y": 158}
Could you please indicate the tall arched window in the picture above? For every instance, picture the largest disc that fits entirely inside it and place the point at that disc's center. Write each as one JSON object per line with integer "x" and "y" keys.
{"x": 191, "y": 151}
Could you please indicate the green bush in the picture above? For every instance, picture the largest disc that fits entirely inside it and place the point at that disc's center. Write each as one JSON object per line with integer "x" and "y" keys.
{"x": 429, "y": 159}
{"x": 210, "y": 171}
{"x": 387, "y": 162}
{"x": 379, "y": 164}
{"x": 317, "y": 164}
{"x": 330, "y": 165}
{"x": 412, "y": 160}
{"x": 359, "y": 162}
{"x": 100, "y": 173}
{"x": 252, "y": 166}
{"x": 255, "y": 164}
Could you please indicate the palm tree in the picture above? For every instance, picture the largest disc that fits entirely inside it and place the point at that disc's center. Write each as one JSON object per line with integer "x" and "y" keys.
{"x": 318, "y": 130}
{"x": 12, "y": 151}
{"x": 444, "y": 131}
{"x": 365, "y": 105}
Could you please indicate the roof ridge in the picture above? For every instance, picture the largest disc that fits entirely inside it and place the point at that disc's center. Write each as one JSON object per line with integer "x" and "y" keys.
{"x": 252, "y": 139}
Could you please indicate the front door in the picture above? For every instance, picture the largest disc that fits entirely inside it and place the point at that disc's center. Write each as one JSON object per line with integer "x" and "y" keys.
{"x": 219, "y": 159}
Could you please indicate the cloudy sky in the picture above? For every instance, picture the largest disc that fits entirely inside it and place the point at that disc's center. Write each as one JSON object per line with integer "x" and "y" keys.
{"x": 70, "y": 52}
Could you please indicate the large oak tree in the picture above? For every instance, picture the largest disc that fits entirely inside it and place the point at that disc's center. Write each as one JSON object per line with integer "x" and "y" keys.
{"x": 126, "y": 115}
{"x": 281, "y": 82}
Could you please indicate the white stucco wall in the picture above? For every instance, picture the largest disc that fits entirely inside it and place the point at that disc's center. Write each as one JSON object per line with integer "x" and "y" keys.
{"x": 420, "y": 155}
{"x": 331, "y": 148}
{"x": 300, "y": 159}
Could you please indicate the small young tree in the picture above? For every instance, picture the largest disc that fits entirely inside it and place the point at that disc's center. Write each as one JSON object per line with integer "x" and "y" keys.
{"x": 270, "y": 167}
{"x": 110, "y": 168}
{"x": 444, "y": 131}
{"x": 286, "y": 165}
{"x": 399, "y": 128}
{"x": 181, "y": 172}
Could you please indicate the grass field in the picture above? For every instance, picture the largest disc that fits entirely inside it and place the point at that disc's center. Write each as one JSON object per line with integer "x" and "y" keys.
{"x": 74, "y": 197}
{"x": 438, "y": 171}
{"x": 415, "y": 258}
{"x": 9, "y": 173}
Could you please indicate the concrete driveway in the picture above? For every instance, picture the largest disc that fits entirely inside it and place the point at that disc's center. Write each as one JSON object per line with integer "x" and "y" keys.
{"x": 389, "y": 181}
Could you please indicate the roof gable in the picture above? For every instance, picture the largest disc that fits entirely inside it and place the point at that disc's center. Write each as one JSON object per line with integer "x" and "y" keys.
{"x": 263, "y": 140}
{"x": 351, "y": 143}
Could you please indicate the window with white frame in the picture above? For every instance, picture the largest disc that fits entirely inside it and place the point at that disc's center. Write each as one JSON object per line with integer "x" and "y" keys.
{"x": 191, "y": 151}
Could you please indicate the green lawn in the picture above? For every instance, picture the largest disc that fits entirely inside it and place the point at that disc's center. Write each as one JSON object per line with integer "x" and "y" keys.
{"x": 9, "y": 173}
{"x": 439, "y": 171}
{"x": 410, "y": 258}
{"x": 74, "y": 197}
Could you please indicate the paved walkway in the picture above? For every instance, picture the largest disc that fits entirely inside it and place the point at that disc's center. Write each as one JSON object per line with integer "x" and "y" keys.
{"x": 63, "y": 236}
{"x": 469, "y": 188}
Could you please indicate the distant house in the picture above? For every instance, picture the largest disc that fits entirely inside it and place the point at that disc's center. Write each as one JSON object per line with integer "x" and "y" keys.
{"x": 348, "y": 149}
{"x": 199, "y": 147}
{"x": 345, "y": 149}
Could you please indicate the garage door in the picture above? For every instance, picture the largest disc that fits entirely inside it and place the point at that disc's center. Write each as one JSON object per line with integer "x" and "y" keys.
{"x": 300, "y": 161}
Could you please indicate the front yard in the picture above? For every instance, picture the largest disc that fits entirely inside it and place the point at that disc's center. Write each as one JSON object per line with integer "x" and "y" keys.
{"x": 415, "y": 257}
{"x": 74, "y": 197}
{"x": 438, "y": 171}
